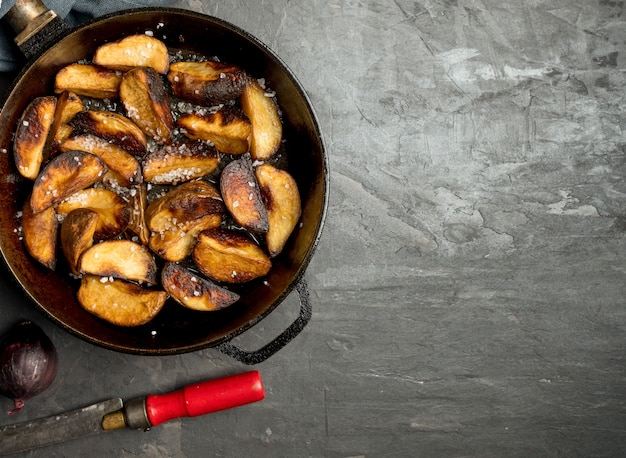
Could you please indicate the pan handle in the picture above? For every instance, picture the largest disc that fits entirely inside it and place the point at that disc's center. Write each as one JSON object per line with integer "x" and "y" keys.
{"x": 258, "y": 356}
{"x": 36, "y": 26}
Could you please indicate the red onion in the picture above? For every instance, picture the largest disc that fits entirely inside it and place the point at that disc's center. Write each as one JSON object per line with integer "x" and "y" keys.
{"x": 28, "y": 363}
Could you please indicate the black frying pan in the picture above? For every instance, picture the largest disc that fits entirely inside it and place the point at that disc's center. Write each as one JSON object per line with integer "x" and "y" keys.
{"x": 175, "y": 329}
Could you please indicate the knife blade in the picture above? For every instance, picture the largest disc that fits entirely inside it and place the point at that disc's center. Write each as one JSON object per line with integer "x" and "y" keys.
{"x": 139, "y": 413}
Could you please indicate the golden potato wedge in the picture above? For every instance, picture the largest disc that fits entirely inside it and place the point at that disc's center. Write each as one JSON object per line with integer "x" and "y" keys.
{"x": 184, "y": 204}
{"x": 89, "y": 81}
{"x": 242, "y": 196}
{"x": 134, "y": 51}
{"x": 117, "y": 159}
{"x": 113, "y": 212}
{"x": 207, "y": 83}
{"x": 68, "y": 104}
{"x": 282, "y": 202}
{"x": 146, "y": 103}
{"x": 180, "y": 162}
{"x": 119, "y": 302}
{"x": 31, "y": 134}
{"x": 77, "y": 235}
{"x": 267, "y": 128}
{"x": 176, "y": 244}
{"x": 121, "y": 259}
{"x": 112, "y": 127}
{"x": 229, "y": 256}
{"x": 39, "y": 231}
{"x": 137, "y": 226}
{"x": 193, "y": 291}
{"x": 228, "y": 129}
{"x": 63, "y": 176}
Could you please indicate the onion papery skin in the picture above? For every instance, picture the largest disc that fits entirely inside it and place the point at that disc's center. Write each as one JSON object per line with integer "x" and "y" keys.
{"x": 28, "y": 363}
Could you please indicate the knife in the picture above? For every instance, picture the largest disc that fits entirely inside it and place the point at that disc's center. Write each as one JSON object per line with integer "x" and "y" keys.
{"x": 140, "y": 413}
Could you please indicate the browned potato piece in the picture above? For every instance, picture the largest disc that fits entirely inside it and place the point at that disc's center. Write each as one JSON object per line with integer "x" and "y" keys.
{"x": 40, "y": 234}
{"x": 176, "y": 163}
{"x": 207, "y": 83}
{"x": 242, "y": 196}
{"x": 113, "y": 212}
{"x": 120, "y": 302}
{"x": 227, "y": 129}
{"x": 120, "y": 259}
{"x": 176, "y": 244}
{"x": 182, "y": 205}
{"x": 112, "y": 127}
{"x": 229, "y": 256}
{"x": 193, "y": 291}
{"x": 267, "y": 129}
{"x": 89, "y": 81}
{"x": 282, "y": 201}
{"x": 68, "y": 104}
{"x": 31, "y": 134}
{"x": 134, "y": 51}
{"x": 117, "y": 159}
{"x": 63, "y": 176}
{"x": 144, "y": 98}
{"x": 137, "y": 224}
{"x": 77, "y": 234}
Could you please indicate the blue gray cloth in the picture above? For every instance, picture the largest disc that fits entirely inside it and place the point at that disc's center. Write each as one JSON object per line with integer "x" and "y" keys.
{"x": 73, "y": 11}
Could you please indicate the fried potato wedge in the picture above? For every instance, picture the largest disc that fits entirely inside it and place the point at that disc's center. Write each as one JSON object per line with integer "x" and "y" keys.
{"x": 134, "y": 51}
{"x": 137, "y": 226}
{"x": 112, "y": 127}
{"x": 68, "y": 105}
{"x": 39, "y": 231}
{"x": 146, "y": 103}
{"x": 121, "y": 259}
{"x": 176, "y": 244}
{"x": 31, "y": 135}
{"x": 117, "y": 159}
{"x": 63, "y": 176}
{"x": 89, "y": 81}
{"x": 228, "y": 129}
{"x": 207, "y": 83}
{"x": 184, "y": 204}
{"x": 267, "y": 128}
{"x": 180, "y": 162}
{"x": 229, "y": 256}
{"x": 119, "y": 302}
{"x": 282, "y": 202}
{"x": 242, "y": 196}
{"x": 113, "y": 212}
{"x": 77, "y": 235}
{"x": 193, "y": 291}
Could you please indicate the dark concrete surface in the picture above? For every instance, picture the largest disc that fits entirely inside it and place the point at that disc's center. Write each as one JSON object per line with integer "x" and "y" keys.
{"x": 469, "y": 289}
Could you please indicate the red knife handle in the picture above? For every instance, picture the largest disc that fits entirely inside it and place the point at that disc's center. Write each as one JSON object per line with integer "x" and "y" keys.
{"x": 206, "y": 397}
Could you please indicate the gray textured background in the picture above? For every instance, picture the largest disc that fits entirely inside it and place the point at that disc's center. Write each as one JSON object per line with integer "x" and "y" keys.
{"x": 468, "y": 291}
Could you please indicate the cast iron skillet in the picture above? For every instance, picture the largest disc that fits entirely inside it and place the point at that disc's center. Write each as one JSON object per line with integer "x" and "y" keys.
{"x": 175, "y": 329}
